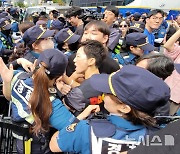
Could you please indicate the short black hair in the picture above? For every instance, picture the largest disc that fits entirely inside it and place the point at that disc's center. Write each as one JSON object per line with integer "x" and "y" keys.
{"x": 55, "y": 13}
{"x": 159, "y": 64}
{"x": 94, "y": 49}
{"x": 113, "y": 9}
{"x": 74, "y": 11}
{"x": 154, "y": 12}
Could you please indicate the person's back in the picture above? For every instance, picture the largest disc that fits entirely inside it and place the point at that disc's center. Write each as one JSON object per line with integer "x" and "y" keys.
{"x": 131, "y": 110}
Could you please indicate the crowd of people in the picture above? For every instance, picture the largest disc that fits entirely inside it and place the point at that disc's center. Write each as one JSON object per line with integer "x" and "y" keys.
{"x": 98, "y": 84}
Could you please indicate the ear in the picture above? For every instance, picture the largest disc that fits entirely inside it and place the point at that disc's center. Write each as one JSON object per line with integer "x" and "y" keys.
{"x": 34, "y": 46}
{"x": 147, "y": 19}
{"x": 91, "y": 61}
{"x": 131, "y": 48}
{"x": 105, "y": 39}
{"x": 124, "y": 108}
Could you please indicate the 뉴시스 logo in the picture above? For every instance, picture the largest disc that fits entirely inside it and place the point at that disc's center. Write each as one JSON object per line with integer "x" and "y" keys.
{"x": 166, "y": 140}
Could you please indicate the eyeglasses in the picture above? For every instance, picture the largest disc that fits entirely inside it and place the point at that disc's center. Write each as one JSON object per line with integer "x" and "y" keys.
{"x": 123, "y": 26}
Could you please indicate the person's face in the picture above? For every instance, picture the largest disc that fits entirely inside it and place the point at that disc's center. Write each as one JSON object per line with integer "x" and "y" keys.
{"x": 81, "y": 61}
{"x": 44, "y": 44}
{"x": 93, "y": 34}
{"x": 136, "y": 51}
{"x": 123, "y": 26}
{"x": 51, "y": 16}
{"x": 154, "y": 21}
{"x": 178, "y": 20}
{"x": 109, "y": 17}
{"x": 73, "y": 20}
{"x": 143, "y": 63}
{"x": 113, "y": 106}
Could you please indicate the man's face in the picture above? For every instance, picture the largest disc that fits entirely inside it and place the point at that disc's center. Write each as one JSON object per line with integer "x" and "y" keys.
{"x": 92, "y": 33}
{"x": 51, "y": 15}
{"x": 154, "y": 21}
{"x": 109, "y": 17}
{"x": 81, "y": 61}
{"x": 178, "y": 20}
{"x": 73, "y": 20}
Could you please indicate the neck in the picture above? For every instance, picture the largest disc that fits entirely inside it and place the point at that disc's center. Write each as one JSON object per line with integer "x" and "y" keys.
{"x": 91, "y": 71}
{"x": 80, "y": 22}
{"x": 149, "y": 29}
{"x": 123, "y": 34}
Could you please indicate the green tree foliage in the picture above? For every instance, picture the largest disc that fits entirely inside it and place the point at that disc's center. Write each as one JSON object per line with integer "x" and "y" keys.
{"x": 60, "y": 2}
{"x": 20, "y": 4}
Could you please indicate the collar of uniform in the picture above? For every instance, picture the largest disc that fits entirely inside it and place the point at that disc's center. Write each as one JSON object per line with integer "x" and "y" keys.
{"x": 123, "y": 123}
{"x": 35, "y": 54}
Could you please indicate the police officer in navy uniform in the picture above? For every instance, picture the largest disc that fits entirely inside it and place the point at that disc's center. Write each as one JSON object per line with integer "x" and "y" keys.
{"x": 135, "y": 45}
{"x": 35, "y": 100}
{"x": 6, "y": 44}
{"x": 131, "y": 95}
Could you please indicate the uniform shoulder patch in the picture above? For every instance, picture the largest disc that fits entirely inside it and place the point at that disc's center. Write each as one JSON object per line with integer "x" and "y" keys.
{"x": 71, "y": 127}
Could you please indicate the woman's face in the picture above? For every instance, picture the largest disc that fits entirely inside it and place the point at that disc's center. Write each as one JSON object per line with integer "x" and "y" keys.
{"x": 81, "y": 61}
{"x": 113, "y": 105}
{"x": 123, "y": 26}
{"x": 110, "y": 104}
{"x": 137, "y": 51}
{"x": 44, "y": 44}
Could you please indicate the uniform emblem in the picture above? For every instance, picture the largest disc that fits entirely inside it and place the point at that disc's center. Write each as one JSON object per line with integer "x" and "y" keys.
{"x": 71, "y": 127}
{"x": 52, "y": 90}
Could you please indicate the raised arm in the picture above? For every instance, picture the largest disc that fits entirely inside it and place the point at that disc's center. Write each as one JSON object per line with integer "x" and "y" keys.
{"x": 169, "y": 45}
{"x": 6, "y": 75}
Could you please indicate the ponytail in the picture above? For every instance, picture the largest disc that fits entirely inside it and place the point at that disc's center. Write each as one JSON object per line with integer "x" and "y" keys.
{"x": 41, "y": 106}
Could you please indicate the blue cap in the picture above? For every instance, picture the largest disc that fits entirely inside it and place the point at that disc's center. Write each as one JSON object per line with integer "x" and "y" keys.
{"x": 136, "y": 15}
{"x": 5, "y": 15}
{"x": 66, "y": 35}
{"x": 56, "y": 24}
{"x": 55, "y": 61}
{"x": 35, "y": 33}
{"x": 5, "y": 24}
{"x": 135, "y": 87}
{"x": 140, "y": 40}
{"x": 137, "y": 26}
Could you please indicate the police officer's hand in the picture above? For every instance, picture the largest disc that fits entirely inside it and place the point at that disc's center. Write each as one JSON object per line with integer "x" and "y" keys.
{"x": 62, "y": 87}
{"x": 77, "y": 77}
{"x": 90, "y": 109}
{"x": 26, "y": 64}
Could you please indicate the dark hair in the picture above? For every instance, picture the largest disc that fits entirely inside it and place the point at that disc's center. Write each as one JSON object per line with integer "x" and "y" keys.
{"x": 41, "y": 105}
{"x": 94, "y": 49}
{"x": 159, "y": 64}
{"x": 135, "y": 116}
{"x": 55, "y": 13}
{"x": 25, "y": 25}
{"x": 100, "y": 25}
{"x": 43, "y": 16}
{"x": 74, "y": 11}
{"x": 170, "y": 33}
{"x": 154, "y": 12}
{"x": 74, "y": 46}
{"x": 113, "y": 9}
{"x": 20, "y": 52}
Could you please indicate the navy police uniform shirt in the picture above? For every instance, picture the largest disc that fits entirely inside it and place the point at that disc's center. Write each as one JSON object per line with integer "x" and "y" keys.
{"x": 77, "y": 137}
{"x": 21, "y": 92}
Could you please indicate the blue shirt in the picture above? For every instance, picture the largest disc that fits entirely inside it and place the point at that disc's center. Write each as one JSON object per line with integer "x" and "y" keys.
{"x": 151, "y": 38}
{"x": 78, "y": 139}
